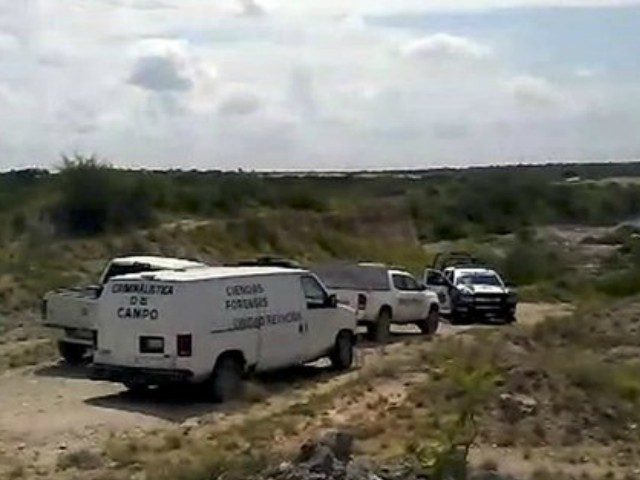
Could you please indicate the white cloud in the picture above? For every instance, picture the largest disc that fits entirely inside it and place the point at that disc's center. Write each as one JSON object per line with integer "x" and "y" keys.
{"x": 239, "y": 100}
{"x": 443, "y": 47}
{"x": 8, "y": 43}
{"x": 251, "y": 8}
{"x": 163, "y": 67}
{"x": 532, "y": 91}
{"x": 586, "y": 73}
{"x": 159, "y": 73}
{"x": 308, "y": 84}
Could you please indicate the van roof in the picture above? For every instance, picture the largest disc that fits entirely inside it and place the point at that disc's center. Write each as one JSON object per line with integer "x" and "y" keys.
{"x": 158, "y": 262}
{"x": 208, "y": 273}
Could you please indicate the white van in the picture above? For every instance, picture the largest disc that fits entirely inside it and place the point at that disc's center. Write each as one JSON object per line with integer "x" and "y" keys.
{"x": 212, "y": 325}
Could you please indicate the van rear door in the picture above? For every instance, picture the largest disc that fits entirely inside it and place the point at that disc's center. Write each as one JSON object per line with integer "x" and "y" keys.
{"x": 137, "y": 324}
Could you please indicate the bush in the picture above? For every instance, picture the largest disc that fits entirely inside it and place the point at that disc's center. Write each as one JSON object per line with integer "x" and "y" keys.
{"x": 620, "y": 283}
{"x": 80, "y": 459}
{"x": 531, "y": 260}
{"x": 95, "y": 198}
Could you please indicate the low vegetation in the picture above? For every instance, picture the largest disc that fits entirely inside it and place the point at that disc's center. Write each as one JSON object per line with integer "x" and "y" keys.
{"x": 59, "y": 228}
{"x": 567, "y": 391}
{"x": 568, "y": 387}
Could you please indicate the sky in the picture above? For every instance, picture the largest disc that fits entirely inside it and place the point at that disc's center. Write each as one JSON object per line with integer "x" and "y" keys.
{"x": 318, "y": 84}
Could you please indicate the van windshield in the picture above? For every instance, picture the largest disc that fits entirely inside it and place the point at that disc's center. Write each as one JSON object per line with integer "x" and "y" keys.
{"x": 116, "y": 270}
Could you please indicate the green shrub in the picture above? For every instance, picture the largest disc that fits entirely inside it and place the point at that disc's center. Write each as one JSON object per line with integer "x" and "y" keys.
{"x": 95, "y": 198}
{"x": 619, "y": 283}
{"x": 80, "y": 459}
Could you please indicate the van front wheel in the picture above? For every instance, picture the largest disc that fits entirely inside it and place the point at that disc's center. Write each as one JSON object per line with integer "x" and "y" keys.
{"x": 226, "y": 381}
{"x": 342, "y": 354}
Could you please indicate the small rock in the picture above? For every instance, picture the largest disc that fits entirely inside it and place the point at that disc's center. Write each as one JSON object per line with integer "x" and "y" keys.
{"x": 322, "y": 460}
{"x": 21, "y": 446}
{"x": 190, "y": 423}
{"x": 517, "y": 406}
{"x": 340, "y": 443}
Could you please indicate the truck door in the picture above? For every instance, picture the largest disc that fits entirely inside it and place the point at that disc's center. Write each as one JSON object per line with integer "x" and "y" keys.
{"x": 282, "y": 331}
{"x": 405, "y": 301}
{"x": 419, "y": 307}
{"x": 319, "y": 330}
{"x": 436, "y": 282}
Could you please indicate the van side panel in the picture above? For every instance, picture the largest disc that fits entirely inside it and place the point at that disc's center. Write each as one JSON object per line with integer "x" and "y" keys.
{"x": 281, "y": 330}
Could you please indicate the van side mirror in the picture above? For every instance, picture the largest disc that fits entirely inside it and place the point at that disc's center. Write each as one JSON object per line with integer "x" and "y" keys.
{"x": 332, "y": 301}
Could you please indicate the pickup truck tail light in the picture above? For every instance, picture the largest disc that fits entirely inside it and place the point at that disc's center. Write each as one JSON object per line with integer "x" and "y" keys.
{"x": 185, "y": 345}
{"x": 362, "y": 301}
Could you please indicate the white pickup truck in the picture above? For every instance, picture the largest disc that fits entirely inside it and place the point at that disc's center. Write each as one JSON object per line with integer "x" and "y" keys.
{"x": 382, "y": 296}
{"x": 72, "y": 312}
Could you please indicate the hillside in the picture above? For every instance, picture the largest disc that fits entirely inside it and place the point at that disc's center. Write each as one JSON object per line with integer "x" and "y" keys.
{"x": 554, "y": 397}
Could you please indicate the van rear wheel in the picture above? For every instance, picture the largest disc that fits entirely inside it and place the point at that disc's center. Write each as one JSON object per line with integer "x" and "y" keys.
{"x": 226, "y": 381}
{"x": 342, "y": 354}
{"x": 136, "y": 388}
{"x": 72, "y": 353}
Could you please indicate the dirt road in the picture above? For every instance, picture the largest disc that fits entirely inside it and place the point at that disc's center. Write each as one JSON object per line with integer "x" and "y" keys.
{"x": 52, "y": 408}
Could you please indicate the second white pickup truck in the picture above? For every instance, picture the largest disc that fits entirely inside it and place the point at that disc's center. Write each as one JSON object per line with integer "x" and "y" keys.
{"x": 382, "y": 296}
{"x": 73, "y": 311}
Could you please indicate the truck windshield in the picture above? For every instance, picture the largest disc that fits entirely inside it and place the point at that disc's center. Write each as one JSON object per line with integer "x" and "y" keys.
{"x": 480, "y": 279}
{"x": 118, "y": 269}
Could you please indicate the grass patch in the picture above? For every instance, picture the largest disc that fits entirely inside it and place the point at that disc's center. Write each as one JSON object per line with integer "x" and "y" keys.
{"x": 80, "y": 460}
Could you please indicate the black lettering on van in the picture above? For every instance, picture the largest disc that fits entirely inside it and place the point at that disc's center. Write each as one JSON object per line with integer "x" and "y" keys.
{"x": 138, "y": 313}
{"x": 244, "y": 290}
{"x": 246, "y": 303}
{"x": 142, "y": 289}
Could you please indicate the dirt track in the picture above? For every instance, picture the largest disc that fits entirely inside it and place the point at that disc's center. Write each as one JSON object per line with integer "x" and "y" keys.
{"x": 52, "y": 408}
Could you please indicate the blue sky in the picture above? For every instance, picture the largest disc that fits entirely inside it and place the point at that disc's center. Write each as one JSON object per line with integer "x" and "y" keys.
{"x": 337, "y": 84}
{"x": 549, "y": 39}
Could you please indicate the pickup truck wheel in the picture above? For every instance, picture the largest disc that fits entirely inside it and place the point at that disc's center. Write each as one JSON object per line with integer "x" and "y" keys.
{"x": 429, "y": 326}
{"x": 226, "y": 381}
{"x": 72, "y": 353}
{"x": 382, "y": 326}
{"x": 342, "y": 354}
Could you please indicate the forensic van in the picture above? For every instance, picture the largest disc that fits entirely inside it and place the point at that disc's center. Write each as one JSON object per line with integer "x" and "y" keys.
{"x": 212, "y": 326}
{"x": 71, "y": 312}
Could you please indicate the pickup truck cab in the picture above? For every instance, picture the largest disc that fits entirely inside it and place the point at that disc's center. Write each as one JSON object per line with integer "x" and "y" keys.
{"x": 211, "y": 326}
{"x": 467, "y": 290}
{"x": 382, "y": 296}
{"x": 72, "y": 312}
